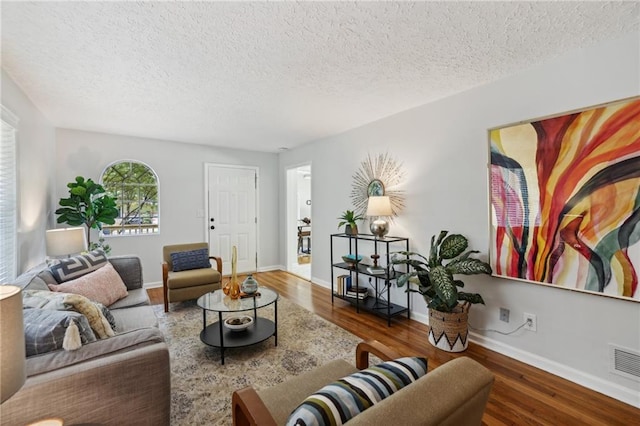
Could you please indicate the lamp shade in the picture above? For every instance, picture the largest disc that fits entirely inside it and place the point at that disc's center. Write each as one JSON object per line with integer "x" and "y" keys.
{"x": 65, "y": 241}
{"x": 12, "y": 350}
{"x": 379, "y": 206}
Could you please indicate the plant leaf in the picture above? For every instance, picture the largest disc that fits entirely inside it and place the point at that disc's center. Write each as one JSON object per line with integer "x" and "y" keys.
{"x": 397, "y": 254}
{"x": 442, "y": 282}
{"x": 452, "y": 246}
{"x": 468, "y": 267}
{"x": 470, "y": 297}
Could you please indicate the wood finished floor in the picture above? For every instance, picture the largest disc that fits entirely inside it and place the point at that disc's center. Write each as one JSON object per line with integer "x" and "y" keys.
{"x": 521, "y": 395}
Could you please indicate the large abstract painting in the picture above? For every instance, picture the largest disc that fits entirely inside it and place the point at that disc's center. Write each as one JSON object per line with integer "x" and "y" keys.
{"x": 565, "y": 200}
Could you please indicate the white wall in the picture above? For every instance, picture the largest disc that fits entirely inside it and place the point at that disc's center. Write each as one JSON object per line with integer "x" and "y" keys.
{"x": 36, "y": 148}
{"x": 444, "y": 149}
{"x": 180, "y": 170}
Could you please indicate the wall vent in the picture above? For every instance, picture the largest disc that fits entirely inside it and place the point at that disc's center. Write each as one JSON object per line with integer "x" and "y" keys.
{"x": 624, "y": 361}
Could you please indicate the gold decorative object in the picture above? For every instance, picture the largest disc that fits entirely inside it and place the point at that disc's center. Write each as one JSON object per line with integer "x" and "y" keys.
{"x": 377, "y": 177}
{"x": 232, "y": 288}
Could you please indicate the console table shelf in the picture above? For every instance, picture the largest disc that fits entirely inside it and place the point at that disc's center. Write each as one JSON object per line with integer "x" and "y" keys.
{"x": 379, "y": 303}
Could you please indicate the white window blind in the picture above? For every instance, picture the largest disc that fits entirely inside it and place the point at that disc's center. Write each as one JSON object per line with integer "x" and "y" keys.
{"x": 8, "y": 197}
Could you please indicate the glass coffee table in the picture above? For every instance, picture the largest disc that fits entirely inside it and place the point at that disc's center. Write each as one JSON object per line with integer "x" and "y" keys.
{"x": 219, "y": 336}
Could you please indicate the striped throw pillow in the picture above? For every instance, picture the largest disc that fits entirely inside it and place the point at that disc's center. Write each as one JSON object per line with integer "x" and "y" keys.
{"x": 342, "y": 400}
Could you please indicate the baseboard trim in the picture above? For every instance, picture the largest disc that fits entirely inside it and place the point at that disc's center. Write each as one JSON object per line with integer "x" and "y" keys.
{"x": 153, "y": 284}
{"x": 621, "y": 393}
{"x": 271, "y": 268}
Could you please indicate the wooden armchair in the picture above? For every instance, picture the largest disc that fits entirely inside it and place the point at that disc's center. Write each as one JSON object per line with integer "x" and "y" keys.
{"x": 455, "y": 393}
{"x": 190, "y": 284}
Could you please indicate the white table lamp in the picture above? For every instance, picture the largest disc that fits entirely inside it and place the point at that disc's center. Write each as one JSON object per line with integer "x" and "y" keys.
{"x": 12, "y": 350}
{"x": 379, "y": 207}
{"x": 65, "y": 241}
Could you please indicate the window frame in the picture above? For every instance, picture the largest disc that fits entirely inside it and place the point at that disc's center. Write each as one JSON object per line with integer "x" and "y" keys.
{"x": 118, "y": 205}
{"x": 8, "y": 118}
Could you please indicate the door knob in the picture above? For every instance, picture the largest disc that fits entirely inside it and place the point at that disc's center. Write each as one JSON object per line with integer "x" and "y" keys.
{"x": 213, "y": 227}
{"x": 211, "y": 219}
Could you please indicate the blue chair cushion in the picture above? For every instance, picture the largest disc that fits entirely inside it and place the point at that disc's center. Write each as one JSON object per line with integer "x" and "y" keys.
{"x": 191, "y": 259}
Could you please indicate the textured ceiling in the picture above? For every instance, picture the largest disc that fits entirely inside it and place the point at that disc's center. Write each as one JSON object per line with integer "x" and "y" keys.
{"x": 263, "y": 75}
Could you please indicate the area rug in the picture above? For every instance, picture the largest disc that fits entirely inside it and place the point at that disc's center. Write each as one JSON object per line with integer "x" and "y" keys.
{"x": 201, "y": 387}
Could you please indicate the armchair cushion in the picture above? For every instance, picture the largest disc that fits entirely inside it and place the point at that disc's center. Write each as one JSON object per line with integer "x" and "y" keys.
{"x": 190, "y": 259}
{"x": 342, "y": 400}
{"x": 192, "y": 277}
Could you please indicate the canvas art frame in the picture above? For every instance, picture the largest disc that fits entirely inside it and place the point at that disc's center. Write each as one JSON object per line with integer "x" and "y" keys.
{"x": 564, "y": 200}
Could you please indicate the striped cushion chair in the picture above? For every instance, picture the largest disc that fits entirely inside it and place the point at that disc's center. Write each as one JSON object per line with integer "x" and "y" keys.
{"x": 391, "y": 393}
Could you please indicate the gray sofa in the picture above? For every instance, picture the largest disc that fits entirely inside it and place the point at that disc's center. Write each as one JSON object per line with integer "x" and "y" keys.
{"x": 121, "y": 380}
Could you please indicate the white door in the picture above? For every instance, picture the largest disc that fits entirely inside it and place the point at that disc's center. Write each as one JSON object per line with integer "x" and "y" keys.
{"x": 232, "y": 217}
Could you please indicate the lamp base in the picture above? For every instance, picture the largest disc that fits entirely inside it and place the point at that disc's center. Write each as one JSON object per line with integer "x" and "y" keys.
{"x": 379, "y": 228}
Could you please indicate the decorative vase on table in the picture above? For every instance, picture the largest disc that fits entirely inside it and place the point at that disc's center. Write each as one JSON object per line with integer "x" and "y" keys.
{"x": 232, "y": 288}
{"x": 249, "y": 285}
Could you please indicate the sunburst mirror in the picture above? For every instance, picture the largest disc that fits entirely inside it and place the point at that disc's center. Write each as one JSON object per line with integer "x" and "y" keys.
{"x": 378, "y": 176}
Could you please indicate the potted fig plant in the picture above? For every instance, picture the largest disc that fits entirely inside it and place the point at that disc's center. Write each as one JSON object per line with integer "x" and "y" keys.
{"x": 434, "y": 280}
{"x": 88, "y": 205}
{"x": 349, "y": 218}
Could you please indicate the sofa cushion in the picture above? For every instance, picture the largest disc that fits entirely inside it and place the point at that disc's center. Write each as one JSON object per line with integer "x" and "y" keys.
{"x": 342, "y": 400}
{"x": 133, "y": 318}
{"x": 103, "y": 285}
{"x": 122, "y": 342}
{"x": 47, "y": 330}
{"x": 136, "y": 297}
{"x": 94, "y": 312}
{"x": 190, "y": 259}
{"x": 77, "y": 266}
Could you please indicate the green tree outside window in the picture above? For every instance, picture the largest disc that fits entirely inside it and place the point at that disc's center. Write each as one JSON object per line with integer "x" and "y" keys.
{"x": 135, "y": 187}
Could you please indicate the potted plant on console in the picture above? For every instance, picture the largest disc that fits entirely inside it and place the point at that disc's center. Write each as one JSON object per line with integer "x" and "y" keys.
{"x": 434, "y": 280}
{"x": 88, "y": 205}
{"x": 349, "y": 218}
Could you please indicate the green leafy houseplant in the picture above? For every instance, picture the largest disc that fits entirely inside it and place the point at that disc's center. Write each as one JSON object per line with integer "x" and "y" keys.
{"x": 349, "y": 217}
{"x": 88, "y": 205}
{"x": 435, "y": 279}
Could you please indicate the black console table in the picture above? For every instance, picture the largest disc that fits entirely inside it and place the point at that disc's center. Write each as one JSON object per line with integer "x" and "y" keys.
{"x": 364, "y": 245}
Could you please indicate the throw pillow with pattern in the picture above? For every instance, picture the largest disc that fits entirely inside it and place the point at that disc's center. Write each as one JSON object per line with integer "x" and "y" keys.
{"x": 104, "y": 286}
{"x": 190, "y": 259}
{"x": 342, "y": 400}
{"x": 77, "y": 266}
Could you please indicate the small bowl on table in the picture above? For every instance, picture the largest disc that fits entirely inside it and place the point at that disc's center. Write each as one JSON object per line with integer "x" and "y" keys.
{"x": 239, "y": 323}
{"x": 351, "y": 260}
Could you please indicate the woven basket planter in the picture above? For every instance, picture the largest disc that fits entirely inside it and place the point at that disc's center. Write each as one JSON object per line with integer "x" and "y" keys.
{"x": 449, "y": 330}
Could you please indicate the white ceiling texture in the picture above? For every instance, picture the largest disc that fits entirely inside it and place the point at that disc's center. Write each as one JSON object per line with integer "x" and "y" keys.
{"x": 264, "y": 75}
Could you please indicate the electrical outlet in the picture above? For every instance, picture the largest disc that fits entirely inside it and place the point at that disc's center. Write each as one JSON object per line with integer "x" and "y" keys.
{"x": 504, "y": 314}
{"x": 531, "y": 322}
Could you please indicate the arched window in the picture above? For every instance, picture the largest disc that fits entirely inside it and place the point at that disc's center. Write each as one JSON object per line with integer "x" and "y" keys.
{"x": 135, "y": 187}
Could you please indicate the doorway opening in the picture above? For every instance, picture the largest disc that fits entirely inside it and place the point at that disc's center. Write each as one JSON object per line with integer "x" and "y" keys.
{"x": 299, "y": 221}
